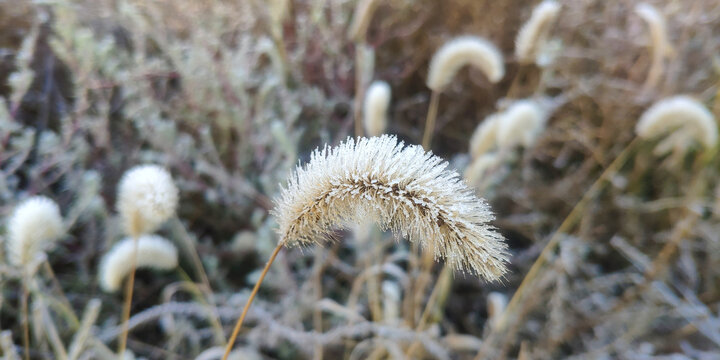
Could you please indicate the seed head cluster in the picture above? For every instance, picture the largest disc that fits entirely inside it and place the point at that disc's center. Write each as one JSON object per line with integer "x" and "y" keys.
{"x": 403, "y": 189}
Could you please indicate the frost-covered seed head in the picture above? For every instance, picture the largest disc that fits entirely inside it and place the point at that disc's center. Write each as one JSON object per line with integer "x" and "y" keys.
{"x": 32, "y": 228}
{"x": 377, "y": 99}
{"x": 689, "y": 120}
{"x": 403, "y": 189}
{"x": 484, "y": 137}
{"x": 534, "y": 33}
{"x": 461, "y": 51}
{"x": 521, "y": 124}
{"x": 152, "y": 252}
{"x": 147, "y": 197}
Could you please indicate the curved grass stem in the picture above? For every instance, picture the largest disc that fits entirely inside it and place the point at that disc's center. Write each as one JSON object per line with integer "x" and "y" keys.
{"x": 250, "y": 299}
{"x": 128, "y": 300}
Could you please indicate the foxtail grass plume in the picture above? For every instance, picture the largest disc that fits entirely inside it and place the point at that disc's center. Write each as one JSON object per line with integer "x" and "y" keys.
{"x": 152, "y": 252}
{"x": 147, "y": 197}
{"x": 461, "y": 51}
{"x": 377, "y": 99}
{"x": 479, "y": 168}
{"x": 534, "y": 33}
{"x": 362, "y": 16}
{"x": 521, "y": 124}
{"x": 404, "y": 189}
{"x": 688, "y": 119}
{"x": 32, "y": 228}
{"x": 661, "y": 46}
{"x": 484, "y": 137}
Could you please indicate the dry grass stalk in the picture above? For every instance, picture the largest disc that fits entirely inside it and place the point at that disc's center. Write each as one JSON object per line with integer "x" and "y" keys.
{"x": 403, "y": 189}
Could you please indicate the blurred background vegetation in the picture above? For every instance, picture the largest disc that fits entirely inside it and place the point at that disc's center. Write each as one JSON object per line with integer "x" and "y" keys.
{"x": 230, "y": 95}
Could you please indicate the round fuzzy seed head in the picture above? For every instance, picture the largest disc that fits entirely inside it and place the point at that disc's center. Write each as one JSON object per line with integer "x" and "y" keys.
{"x": 533, "y": 35}
{"x": 687, "y": 117}
{"x": 147, "y": 197}
{"x": 521, "y": 124}
{"x": 403, "y": 189}
{"x": 461, "y": 51}
{"x": 34, "y": 225}
{"x": 152, "y": 252}
{"x": 377, "y": 99}
{"x": 484, "y": 137}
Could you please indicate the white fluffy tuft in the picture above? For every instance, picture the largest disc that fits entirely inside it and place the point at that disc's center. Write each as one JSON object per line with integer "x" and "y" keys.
{"x": 403, "y": 189}
{"x": 521, "y": 124}
{"x": 377, "y": 99}
{"x": 461, "y": 51}
{"x": 152, "y": 252}
{"x": 480, "y": 167}
{"x": 534, "y": 33}
{"x": 32, "y": 228}
{"x": 484, "y": 137}
{"x": 147, "y": 197}
{"x": 690, "y": 120}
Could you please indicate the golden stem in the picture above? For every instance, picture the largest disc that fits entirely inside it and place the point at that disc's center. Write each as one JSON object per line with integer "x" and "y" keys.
{"x": 254, "y": 292}
{"x": 129, "y": 285}
{"x": 25, "y": 320}
{"x": 430, "y": 121}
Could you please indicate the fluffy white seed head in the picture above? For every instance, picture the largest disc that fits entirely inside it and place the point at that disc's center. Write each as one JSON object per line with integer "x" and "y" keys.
{"x": 534, "y": 33}
{"x": 362, "y": 16}
{"x": 152, "y": 252}
{"x": 657, "y": 26}
{"x": 377, "y": 99}
{"x": 403, "y": 189}
{"x": 484, "y": 137}
{"x": 689, "y": 120}
{"x": 147, "y": 197}
{"x": 480, "y": 167}
{"x": 521, "y": 124}
{"x": 32, "y": 228}
{"x": 461, "y": 51}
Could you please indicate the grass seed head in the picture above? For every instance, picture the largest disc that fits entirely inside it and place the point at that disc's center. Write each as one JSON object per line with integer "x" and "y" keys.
{"x": 32, "y": 228}
{"x": 152, "y": 252}
{"x": 688, "y": 119}
{"x": 534, "y": 33}
{"x": 402, "y": 188}
{"x": 461, "y": 51}
{"x": 147, "y": 197}
{"x": 521, "y": 124}
{"x": 377, "y": 99}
